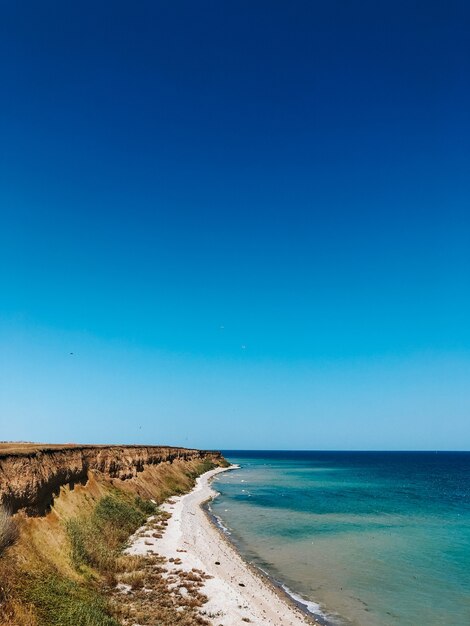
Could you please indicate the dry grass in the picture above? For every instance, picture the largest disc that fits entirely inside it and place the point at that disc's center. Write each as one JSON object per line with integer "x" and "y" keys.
{"x": 129, "y": 563}
{"x": 18, "y": 448}
{"x": 15, "y": 612}
{"x": 156, "y": 597}
{"x": 156, "y": 592}
{"x": 8, "y": 529}
{"x": 134, "y": 579}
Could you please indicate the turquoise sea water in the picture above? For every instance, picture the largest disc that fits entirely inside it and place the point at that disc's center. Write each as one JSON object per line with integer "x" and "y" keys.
{"x": 377, "y": 539}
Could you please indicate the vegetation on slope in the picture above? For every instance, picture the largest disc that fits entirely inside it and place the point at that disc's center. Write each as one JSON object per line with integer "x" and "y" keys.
{"x": 64, "y": 568}
{"x": 97, "y": 539}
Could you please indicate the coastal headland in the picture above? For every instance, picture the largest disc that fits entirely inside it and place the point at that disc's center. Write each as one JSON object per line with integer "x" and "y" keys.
{"x": 117, "y": 535}
{"x": 31, "y": 475}
{"x": 66, "y": 513}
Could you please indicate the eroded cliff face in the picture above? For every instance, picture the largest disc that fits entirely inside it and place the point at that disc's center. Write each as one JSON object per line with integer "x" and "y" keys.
{"x": 31, "y": 478}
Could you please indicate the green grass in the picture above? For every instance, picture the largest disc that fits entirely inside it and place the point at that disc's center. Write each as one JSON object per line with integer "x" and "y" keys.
{"x": 202, "y": 467}
{"x": 62, "y": 602}
{"x": 96, "y": 540}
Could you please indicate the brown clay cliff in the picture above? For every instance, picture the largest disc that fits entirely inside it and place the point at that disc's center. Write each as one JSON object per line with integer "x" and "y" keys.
{"x": 31, "y": 475}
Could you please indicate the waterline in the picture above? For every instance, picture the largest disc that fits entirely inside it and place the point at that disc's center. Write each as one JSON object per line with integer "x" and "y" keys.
{"x": 375, "y": 538}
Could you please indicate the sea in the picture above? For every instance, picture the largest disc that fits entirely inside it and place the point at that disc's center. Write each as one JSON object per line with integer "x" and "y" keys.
{"x": 358, "y": 538}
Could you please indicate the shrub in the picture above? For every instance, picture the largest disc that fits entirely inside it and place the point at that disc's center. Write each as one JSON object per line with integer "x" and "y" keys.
{"x": 114, "y": 512}
{"x": 147, "y": 507}
{"x": 8, "y": 529}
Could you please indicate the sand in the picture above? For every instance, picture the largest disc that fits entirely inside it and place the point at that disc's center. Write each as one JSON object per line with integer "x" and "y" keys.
{"x": 237, "y": 593}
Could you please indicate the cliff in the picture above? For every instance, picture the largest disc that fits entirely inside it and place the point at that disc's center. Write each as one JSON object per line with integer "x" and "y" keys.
{"x": 31, "y": 475}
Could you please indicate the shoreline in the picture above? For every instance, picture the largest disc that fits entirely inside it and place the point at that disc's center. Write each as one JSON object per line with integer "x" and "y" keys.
{"x": 286, "y": 595}
{"x": 237, "y": 591}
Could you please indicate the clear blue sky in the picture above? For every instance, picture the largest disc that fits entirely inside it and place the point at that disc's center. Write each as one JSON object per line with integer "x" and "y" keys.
{"x": 248, "y": 221}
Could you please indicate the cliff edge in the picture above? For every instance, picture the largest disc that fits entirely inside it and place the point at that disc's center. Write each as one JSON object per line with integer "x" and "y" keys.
{"x": 31, "y": 475}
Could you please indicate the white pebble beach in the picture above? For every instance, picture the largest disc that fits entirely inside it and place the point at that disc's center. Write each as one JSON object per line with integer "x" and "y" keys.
{"x": 236, "y": 593}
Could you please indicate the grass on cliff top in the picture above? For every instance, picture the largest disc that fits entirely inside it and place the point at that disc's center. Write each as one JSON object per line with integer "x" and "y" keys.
{"x": 19, "y": 448}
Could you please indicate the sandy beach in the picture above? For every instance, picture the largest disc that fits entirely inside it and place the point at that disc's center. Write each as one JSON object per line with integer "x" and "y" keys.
{"x": 237, "y": 593}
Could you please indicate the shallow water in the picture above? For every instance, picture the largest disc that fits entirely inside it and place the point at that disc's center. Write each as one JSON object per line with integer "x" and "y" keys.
{"x": 377, "y": 539}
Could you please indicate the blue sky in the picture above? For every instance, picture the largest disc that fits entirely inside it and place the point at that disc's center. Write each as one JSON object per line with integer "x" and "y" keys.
{"x": 249, "y": 222}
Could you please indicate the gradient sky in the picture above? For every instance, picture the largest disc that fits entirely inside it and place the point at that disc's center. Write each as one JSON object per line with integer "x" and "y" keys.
{"x": 248, "y": 221}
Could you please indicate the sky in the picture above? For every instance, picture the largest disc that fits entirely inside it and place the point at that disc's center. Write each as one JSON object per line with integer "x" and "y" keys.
{"x": 235, "y": 224}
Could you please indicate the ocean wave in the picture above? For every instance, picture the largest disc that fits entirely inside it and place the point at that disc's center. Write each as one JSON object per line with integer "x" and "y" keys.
{"x": 218, "y": 522}
{"x": 308, "y": 605}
